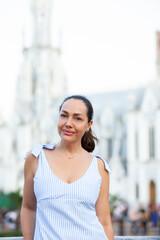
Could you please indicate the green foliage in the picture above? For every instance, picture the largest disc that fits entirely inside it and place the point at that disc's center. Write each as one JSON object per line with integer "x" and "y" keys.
{"x": 14, "y": 233}
{"x": 113, "y": 201}
{"x": 10, "y": 200}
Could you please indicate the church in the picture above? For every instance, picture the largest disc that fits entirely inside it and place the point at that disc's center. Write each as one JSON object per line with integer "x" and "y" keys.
{"x": 127, "y": 124}
{"x": 40, "y": 82}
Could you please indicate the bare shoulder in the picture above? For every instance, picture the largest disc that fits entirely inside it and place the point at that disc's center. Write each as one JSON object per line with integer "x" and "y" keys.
{"x": 31, "y": 164}
{"x": 29, "y": 200}
{"x": 50, "y": 151}
{"x": 101, "y": 167}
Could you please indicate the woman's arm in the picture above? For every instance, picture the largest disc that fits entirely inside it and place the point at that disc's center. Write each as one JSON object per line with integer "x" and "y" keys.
{"x": 28, "y": 209}
{"x": 102, "y": 204}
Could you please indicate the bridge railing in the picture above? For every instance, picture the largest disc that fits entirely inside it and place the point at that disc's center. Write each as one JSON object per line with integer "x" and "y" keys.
{"x": 115, "y": 238}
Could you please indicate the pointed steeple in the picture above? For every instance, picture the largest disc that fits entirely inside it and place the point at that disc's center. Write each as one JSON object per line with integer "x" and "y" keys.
{"x": 41, "y": 13}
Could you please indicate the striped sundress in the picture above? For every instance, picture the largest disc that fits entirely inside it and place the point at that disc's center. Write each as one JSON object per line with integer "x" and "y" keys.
{"x": 66, "y": 211}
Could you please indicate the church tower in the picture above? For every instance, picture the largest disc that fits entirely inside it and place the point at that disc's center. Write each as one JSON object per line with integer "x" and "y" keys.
{"x": 41, "y": 81}
{"x": 41, "y": 13}
{"x": 41, "y": 50}
{"x": 42, "y": 76}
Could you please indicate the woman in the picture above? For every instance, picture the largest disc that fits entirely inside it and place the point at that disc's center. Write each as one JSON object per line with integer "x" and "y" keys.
{"x": 66, "y": 189}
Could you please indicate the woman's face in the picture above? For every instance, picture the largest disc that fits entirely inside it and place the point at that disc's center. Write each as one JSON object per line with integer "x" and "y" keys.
{"x": 73, "y": 120}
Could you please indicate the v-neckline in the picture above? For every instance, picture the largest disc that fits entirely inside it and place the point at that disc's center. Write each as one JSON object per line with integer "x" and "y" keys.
{"x": 74, "y": 182}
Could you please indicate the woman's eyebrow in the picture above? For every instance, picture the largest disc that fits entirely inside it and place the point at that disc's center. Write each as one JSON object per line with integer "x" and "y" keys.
{"x": 75, "y": 114}
{"x": 64, "y": 111}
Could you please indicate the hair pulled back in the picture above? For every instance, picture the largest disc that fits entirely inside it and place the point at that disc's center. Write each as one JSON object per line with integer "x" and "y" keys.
{"x": 88, "y": 139}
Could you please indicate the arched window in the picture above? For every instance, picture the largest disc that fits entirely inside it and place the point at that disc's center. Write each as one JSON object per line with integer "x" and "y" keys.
{"x": 151, "y": 142}
{"x": 152, "y": 191}
{"x": 137, "y": 191}
{"x": 136, "y": 144}
{"x": 34, "y": 81}
{"x": 109, "y": 147}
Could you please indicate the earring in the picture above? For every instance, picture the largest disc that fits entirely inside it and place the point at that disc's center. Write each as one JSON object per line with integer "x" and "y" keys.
{"x": 87, "y": 131}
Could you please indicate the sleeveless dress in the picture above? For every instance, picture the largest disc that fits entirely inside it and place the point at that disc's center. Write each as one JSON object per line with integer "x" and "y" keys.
{"x": 66, "y": 211}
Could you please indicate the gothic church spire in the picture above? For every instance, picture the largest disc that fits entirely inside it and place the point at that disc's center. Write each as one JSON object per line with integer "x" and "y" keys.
{"x": 41, "y": 14}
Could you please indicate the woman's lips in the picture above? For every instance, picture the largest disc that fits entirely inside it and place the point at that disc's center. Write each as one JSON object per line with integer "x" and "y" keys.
{"x": 69, "y": 133}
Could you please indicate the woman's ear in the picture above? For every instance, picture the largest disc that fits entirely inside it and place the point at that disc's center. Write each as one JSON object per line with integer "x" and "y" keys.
{"x": 90, "y": 124}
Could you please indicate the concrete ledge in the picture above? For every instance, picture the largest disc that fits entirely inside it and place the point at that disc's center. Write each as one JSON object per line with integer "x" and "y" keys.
{"x": 137, "y": 237}
{"x": 115, "y": 238}
{"x": 11, "y": 238}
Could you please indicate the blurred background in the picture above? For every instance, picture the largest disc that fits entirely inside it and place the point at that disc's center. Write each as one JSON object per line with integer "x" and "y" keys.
{"x": 106, "y": 50}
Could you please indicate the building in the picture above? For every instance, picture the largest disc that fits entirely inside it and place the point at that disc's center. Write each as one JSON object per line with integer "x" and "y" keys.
{"x": 128, "y": 126}
{"x": 41, "y": 81}
{"x": 127, "y": 123}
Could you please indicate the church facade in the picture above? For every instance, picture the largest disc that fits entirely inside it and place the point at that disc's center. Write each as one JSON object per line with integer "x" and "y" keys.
{"x": 128, "y": 128}
{"x": 41, "y": 81}
{"x": 127, "y": 123}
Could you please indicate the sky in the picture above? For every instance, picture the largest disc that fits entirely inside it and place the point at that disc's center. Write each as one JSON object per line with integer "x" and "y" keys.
{"x": 107, "y": 45}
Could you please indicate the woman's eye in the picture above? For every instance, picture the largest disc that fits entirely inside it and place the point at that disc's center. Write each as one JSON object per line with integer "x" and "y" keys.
{"x": 63, "y": 115}
{"x": 78, "y": 118}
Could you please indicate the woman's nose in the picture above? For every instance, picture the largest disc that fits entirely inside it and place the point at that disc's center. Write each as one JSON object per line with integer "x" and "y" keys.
{"x": 69, "y": 122}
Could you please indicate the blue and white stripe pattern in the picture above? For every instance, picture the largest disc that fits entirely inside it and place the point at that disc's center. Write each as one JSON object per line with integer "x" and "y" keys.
{"x": 66, "y": 211}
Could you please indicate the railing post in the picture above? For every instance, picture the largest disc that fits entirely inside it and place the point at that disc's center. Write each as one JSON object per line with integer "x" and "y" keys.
{"x": 121, "y": 227}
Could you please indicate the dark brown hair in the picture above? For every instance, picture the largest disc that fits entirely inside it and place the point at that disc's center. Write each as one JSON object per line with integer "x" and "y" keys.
{"x": 88, "y": 139}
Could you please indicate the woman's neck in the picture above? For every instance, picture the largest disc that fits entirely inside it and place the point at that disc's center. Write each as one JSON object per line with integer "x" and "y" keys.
{"x": 70, "y": 147}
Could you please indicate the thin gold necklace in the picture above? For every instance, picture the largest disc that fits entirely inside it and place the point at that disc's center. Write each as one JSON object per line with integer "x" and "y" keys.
{"x": 69, "y": 157}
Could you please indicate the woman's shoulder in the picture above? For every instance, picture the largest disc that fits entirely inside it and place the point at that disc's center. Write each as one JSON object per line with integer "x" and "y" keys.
{"x": 36, "y": 150}
{"x": 31, "y": 163}
{"x": 32, "y": 159}
{"x": 103, "y": 166}
{"x": 30, "y": 156}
